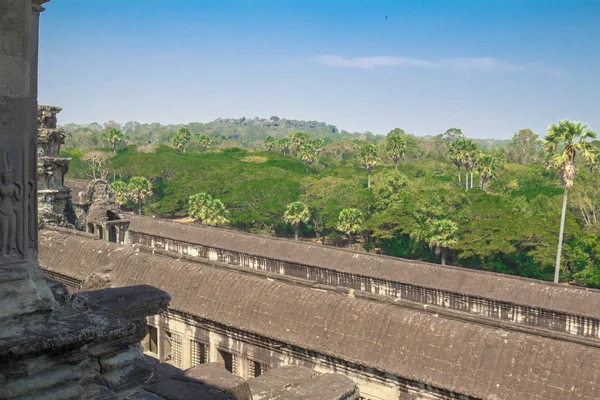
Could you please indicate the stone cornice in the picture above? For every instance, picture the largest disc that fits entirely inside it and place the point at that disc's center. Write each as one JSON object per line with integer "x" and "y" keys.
{"x": 36, "y": 5}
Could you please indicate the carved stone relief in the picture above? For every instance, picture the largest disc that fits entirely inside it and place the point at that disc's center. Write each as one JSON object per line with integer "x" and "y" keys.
{"x": 11, "y": 211}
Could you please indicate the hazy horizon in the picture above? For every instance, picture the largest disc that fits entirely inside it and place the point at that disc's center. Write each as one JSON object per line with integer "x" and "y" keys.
{"x": 489, "y": 69}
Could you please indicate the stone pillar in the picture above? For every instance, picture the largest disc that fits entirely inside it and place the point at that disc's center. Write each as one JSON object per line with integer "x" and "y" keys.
{"x": 18, "y": 266}
{"x": 160, "y": 337}
{"x": 36, "y": 9}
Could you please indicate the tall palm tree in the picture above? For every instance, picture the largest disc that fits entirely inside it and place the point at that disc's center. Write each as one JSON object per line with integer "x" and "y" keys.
{"x": 139, "y": 188}
{"x": 470, "y": 153}
{"x": 442, "y": 236}
{"x": 350, "y": 222}
{"x": 295, "y": 214}
{"x": 182, "y": 139}
{"x": 308, "y": 155}
{"x": 369, "y": 159}
{"x": 563, "y": 142}
{"x": 395, "y": 146}
{"x": 113, "y": 137}
{"x": 487, "y": 165}
{"x": 120, "y": 189}
{"x": 456, "y": 156}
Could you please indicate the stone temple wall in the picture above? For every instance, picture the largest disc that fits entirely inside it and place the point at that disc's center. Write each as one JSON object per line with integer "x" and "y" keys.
{"x": 422, "y": 352}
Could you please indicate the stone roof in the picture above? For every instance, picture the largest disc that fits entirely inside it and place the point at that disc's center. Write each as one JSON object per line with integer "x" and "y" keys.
{"x": 506, "y": 288}
{"x": 79, "y": 188}
{"x": 462, "y": 357}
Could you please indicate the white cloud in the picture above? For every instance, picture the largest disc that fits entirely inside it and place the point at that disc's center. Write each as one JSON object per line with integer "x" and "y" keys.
{"x": 371, "y": 62}
{"x": 454, "y": 64}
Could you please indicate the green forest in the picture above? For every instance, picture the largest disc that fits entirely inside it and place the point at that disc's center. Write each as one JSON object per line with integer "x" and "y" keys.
{"x": 494, "y": 205}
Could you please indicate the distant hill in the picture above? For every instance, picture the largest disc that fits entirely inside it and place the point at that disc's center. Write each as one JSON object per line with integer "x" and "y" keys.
{"x": 226, "y": 132}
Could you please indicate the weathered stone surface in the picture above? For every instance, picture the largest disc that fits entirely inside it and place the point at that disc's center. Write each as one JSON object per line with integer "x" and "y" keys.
{"x": 129, "y": 376}
{"x": 172, "y": 389}
{"x": 59, "y": 291}
{"x": 95, "y": 391}
{"x": 143, "y": 395}
{"x": 134, "y": 302}
{"x": 413, "y": 345}
{"x": 214, "y": 375}
{"x": 454, "y": 287}
{"x": 61, "y": 330}
{"x": 293, "y": 382}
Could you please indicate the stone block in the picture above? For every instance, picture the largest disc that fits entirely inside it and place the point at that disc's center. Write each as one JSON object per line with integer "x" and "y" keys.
{"x": 172, "y": 389}
{"x": 299, "y": 383}
{"x": 64, "y": 330}
{"x": 214, "y": 375}
{"x": 119, "y": 360}
{"x": 128, "y": 377}
{"x": 133, "y": 302}
{"x": 59, "y": 291}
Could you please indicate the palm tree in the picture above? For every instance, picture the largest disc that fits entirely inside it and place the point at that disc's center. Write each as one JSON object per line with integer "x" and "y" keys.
{"x": 120, "y": 190}
{"x": 202, "y": 206}
{"x": 470, "y": 151}
{"x": 456, "y": 156}
{"x": 487, "y": 166}
{"x": 204, "y": 141}
{"x": 113, "y": 137}
{"x": 295, "y": 214}
{"x": 298, "y": 139}
{"x": 395, "y": 146}
{"x": 182, "y": 139}
{"x": 463, "y": 153}
{"x": 563, "y": 142}
{"x": 198, "y": 204}
{"x": 308, "y": 154}
{"x": 216, "y": 213}
{"x": 284, "y": 145}
{"x": 350, "y": 221}
{"x": 139, "y": 188}
{"x": 442, "y": 236}
{"x": 369, "y": 159}
{"x": 269, "y": 143}
{"x": 317, "y": 145}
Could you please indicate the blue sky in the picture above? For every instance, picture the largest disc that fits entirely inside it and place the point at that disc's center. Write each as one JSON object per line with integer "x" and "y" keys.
{"x": 490, "y": 67}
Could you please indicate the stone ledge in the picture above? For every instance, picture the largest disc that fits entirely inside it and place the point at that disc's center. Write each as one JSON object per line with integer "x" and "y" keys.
{"x": 171, "y": 389}
{"x": 214, "y": 375}
{"x": 300, "y": 383}
{"x": 59, "y": 331}
{"x": 132, "y": 303}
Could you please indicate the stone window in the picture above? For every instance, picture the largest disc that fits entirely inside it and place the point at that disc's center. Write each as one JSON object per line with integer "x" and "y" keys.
{"x": 100, "y": 232}
{"x": 150, "y": 343}
{"x": 256, "y": 368}
{"x": 173, "y": 347}
{"x": 90, "y": 228}
{"x": 199, "y": 352}
{"x": 112, "y": 234}
{"x": 229, "y": 361}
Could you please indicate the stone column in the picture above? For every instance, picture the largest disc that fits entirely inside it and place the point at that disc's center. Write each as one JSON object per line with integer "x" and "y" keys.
{"x": 18, "y": 266}
{"x": 34, "y": 34}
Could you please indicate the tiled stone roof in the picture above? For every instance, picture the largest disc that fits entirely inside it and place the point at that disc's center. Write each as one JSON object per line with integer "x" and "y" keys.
{"x": 467, "y": 358}
{"x": 506, "y": 288}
